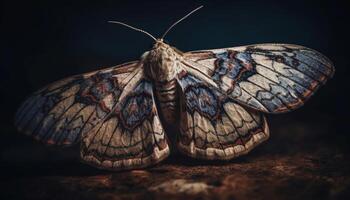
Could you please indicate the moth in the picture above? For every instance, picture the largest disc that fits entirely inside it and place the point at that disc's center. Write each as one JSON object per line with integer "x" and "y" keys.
{"x": 207, "y": 104}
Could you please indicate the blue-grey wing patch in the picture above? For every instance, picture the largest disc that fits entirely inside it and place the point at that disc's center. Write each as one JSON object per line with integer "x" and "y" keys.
{"x": 272, "y": 78}
{"x": 212, "y": 125}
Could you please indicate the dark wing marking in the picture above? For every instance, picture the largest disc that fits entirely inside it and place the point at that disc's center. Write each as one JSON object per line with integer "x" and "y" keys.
{"x": 213, "y": 126}
{"x": 131, "y": 136}
{"x": 272, "y": 78}
{"x": 62, "y": 111}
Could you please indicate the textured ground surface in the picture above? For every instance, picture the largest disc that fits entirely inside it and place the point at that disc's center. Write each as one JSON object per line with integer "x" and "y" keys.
{"x": 303, "y": 159}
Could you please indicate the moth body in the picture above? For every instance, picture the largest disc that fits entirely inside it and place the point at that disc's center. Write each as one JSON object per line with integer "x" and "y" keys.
{"x": 160, "y": 65}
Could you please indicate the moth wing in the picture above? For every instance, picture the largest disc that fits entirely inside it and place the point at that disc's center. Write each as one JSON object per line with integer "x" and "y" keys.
{"x": 272, "y": 78}
{"x": 213, "y": 126}
{"x": 131, "y": 135}
{"x": 64, "y": 110}
{"x": 93, "y": 108}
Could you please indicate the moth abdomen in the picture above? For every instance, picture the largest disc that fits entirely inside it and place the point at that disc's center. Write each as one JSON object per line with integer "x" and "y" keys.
{"x": 167, "y": 97}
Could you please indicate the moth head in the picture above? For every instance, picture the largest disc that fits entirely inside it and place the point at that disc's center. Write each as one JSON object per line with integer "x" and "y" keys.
{"x": 160, "y": 44}
{"x": 157, "y": 50}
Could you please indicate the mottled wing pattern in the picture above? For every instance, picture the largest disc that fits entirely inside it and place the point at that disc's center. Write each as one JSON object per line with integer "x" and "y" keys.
{"x": 213, "y": 126}
{"x": 272, "y": 78}
{"x": 131, "y": 136}
{"x": 62, "y": 111}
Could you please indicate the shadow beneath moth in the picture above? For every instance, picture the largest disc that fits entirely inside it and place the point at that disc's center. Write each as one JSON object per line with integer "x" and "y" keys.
{"x": 207, "y": 104}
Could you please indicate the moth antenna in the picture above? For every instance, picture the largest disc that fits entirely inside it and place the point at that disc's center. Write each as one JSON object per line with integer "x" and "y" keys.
{"x": 134, "y": 28}
{"x": 178, "y": 21}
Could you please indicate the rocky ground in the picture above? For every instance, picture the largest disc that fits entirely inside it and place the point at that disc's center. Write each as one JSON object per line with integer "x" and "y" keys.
{"x": 304, "y": 159}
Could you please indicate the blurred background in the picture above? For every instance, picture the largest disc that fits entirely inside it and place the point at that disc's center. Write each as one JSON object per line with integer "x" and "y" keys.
{"x": 43, "y": 41}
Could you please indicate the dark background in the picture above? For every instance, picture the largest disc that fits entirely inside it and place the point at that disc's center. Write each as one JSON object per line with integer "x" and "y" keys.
{"x": 43, "y": 41}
